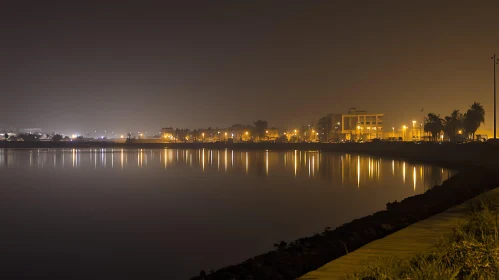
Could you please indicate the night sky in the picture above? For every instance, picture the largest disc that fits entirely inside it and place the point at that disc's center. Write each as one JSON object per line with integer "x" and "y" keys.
{"x": 79, "y": 67}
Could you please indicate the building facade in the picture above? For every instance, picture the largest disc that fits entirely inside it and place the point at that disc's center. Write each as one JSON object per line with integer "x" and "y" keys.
{"x": 360, "y": 125}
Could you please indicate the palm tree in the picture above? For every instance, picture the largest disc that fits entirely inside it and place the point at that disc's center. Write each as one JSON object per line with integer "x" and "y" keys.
{"x": 473, "y": 118}
{"x": 434, "y": 125}
{"x": 453, "y": 123}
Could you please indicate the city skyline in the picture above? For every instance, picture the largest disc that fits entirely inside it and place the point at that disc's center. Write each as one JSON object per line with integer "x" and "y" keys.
{"x": 82, "y": 68}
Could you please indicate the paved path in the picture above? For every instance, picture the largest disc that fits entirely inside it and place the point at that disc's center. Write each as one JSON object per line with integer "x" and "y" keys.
{"x": 403, "y": 244}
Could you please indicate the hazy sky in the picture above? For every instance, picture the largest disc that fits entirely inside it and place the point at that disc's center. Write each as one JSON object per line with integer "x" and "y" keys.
{"x": 78, "y": 67}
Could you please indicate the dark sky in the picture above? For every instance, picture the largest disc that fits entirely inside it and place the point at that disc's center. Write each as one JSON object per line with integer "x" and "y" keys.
{"x": 142, "y": 65}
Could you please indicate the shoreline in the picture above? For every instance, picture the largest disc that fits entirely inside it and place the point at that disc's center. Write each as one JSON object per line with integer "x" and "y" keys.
{"x": 290, "y": 261}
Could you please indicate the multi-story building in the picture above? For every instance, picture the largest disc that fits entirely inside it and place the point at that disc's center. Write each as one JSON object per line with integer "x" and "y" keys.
{"x": 360, "y": 125}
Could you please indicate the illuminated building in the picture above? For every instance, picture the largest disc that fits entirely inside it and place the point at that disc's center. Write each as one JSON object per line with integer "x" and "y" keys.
{"x": 360, "y": 125}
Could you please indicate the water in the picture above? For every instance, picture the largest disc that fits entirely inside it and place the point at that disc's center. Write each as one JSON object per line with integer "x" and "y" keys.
{"x": 167, "y": 214}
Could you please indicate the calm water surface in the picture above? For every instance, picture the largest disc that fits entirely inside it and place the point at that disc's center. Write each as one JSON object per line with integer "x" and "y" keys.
{"x": 167, "y": 214}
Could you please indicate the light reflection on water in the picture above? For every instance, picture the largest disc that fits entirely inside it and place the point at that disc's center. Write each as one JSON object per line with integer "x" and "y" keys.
{"x": 164, "y": 212}
{"x": 343, "y": 169}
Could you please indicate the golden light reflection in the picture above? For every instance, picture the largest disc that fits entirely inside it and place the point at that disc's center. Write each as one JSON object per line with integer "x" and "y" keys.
{"x": 308, "y": 166}
{"x": 369, "y": 170}
{"x": 342, "y": 171}
{"x": 267, "y": 162}
{"x": 296, "y": 165}
{"x": 414, "y": 178}
{"x": 403, "y": 172}
{"x": 358, "y": 171}
{"x": 165, "y": 158}
{"x": 247, "y": 165}
{"x": 313, "y": 166}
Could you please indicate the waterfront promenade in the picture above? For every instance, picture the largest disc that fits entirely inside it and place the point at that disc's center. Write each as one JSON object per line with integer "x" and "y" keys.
{"x": 403, "y": 244}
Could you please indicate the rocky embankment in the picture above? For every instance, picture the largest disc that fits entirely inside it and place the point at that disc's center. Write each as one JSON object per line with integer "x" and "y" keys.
{"x": 290, "y": 261}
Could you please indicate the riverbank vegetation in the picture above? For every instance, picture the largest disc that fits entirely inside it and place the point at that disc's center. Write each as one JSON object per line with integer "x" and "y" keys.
{"x": 471, "y": 252}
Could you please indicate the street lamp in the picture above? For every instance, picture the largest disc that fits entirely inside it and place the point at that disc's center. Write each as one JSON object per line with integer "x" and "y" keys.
{"x": 413, "y": 123}
{"x": 421, "y": 132}
{"x": 495, "y": 61}
{"x": 403, "y": 132}
{"x": 393, "y": 131}
{"x": 202, "y": 134}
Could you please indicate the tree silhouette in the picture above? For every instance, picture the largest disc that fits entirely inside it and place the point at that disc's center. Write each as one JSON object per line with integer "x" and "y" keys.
{"x": 473, "y": 118}
{"x": 453, "y": 123}
{"x": 434, "y": 125}
{"x": 57, "y": 138}
{"x": 260, "y": 128}
{"x": 29, "y": 137}
{"x": 6, "y": 136}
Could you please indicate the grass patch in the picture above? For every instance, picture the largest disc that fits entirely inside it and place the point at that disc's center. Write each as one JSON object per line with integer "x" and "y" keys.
{"x": 471, "y": 252}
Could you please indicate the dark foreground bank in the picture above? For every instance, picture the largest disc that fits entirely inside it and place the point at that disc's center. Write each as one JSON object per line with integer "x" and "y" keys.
{"x": 290, "y": 261}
